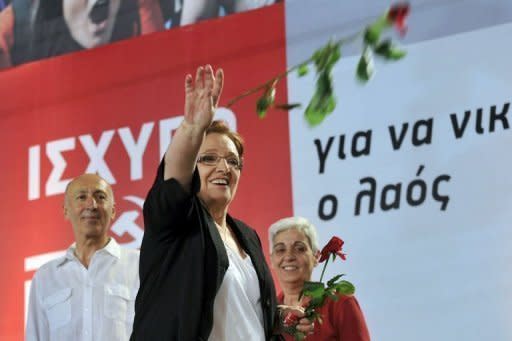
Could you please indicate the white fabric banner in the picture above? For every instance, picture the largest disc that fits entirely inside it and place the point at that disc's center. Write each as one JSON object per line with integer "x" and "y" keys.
{"x": 431, "y": 258}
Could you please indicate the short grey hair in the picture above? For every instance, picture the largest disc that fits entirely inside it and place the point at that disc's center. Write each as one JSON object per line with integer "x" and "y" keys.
{"x": 298, "y": 223}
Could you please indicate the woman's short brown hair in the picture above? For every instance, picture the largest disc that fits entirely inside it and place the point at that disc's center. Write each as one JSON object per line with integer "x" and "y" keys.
{"x": 220, "y": 127}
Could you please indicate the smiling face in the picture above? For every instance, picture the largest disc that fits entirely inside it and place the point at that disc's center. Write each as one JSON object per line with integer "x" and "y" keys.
{"x": 89, "y": 206}
{"x": 90, "y": 22}
{"x": 292, "y": 257}
{"x": 220, "y": 181}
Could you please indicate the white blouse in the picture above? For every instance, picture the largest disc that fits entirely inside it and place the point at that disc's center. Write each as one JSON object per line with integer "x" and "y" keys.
{"x": 237, "y": 311}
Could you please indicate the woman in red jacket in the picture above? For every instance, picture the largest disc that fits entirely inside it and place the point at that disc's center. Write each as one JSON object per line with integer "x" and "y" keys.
{"x": 293, "y": 255}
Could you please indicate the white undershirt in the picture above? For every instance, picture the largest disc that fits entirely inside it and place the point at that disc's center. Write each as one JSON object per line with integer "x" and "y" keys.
{"x": 237, "y": 312}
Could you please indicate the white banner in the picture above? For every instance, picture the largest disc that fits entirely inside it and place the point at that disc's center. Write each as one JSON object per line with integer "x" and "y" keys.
{"x": 412, "y": 171}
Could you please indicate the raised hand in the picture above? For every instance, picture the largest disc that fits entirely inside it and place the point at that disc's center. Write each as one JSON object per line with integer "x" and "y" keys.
{"x": 202, "y": 96}
{"x": 201, "y": 99}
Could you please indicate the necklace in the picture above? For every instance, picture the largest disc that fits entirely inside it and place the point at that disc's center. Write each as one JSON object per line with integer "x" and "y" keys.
{"x": 223, "y": 232}
{"x": 229, "y": 241}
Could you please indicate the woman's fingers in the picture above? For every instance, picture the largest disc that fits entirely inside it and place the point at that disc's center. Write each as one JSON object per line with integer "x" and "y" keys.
{"x": 217, "y": 86}
{"x": 208, "y": 79}
{"x": 305, "y": 326}
{"x": 202, "y": 94}
{"x": 199, "y": 84}
{"x": 188, "y": 84}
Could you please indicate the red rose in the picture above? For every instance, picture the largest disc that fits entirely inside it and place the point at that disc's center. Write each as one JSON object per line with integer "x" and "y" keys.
{"x": 397, "y": 15}
{"x": 333, "y": 247}
{"x": 290, "y": 319}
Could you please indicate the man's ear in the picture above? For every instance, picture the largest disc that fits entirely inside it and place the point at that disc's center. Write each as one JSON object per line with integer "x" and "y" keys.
{"x": 65, "y": 211}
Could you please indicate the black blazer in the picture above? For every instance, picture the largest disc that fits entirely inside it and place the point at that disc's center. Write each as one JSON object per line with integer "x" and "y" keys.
{"x": 182, "y": 263}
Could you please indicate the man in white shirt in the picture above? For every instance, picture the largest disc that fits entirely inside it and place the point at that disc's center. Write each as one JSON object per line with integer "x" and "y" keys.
{"x": 89, "y": 293}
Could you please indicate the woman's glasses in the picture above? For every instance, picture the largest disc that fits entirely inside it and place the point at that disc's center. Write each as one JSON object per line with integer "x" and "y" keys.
{"x": 213, "y": 159}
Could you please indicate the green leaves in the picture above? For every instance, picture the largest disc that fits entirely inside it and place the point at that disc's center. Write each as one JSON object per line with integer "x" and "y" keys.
{"x": 315, "y": 291}
{"x": 326, "y": 56}
{"x": 303, "y": 70}
{"x": 262, "y": 106}
{"x": 287, "y": 106}
{"x": 389, "y": 51}
{"x": 319, "y": 107}
{"x": 365, "y": 66}
{"x": 312, "y": 288}
{"x": 323, "y": 101}
{"x": 344, "y": 288}
{"x": 267, "y": 100}
{"x": 333, "y": 280}
{"x": 373, "y": 44}
{"x": 373, "y": 32}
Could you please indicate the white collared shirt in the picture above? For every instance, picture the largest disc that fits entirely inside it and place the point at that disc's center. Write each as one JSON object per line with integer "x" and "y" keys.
{"x": 71, "y": 302}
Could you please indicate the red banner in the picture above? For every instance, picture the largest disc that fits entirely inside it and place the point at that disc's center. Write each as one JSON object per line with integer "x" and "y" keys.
{"x": 112, "y": 110}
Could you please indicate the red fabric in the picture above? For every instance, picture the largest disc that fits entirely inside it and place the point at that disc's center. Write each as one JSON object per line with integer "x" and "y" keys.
{"x": 132, "y": 85}
{"x": 6, "y": 36}
{"x": 342, "y": 320}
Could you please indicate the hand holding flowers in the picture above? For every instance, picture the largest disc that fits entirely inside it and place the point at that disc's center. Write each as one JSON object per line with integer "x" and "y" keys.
{"x": 315, "y": 293}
